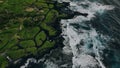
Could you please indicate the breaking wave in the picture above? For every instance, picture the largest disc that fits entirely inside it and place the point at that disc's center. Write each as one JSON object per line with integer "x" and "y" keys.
{"x": 83, "y": 41}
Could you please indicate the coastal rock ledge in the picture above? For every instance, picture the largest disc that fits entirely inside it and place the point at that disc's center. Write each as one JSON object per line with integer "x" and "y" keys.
{"x": 28, "y": 28}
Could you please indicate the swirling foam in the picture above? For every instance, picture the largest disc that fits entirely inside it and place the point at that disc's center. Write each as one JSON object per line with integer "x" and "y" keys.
{"x": 90, "y": 39}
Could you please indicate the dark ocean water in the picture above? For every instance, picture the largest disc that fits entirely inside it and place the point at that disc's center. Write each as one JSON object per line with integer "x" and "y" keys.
{"x": 90, "y": 42}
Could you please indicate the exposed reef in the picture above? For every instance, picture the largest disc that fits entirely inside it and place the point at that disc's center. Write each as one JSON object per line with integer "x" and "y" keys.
{"x": 28, "y": 27}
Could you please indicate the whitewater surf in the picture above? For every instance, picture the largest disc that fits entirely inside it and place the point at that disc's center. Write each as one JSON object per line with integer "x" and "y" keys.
{"x": 85, "y": 42}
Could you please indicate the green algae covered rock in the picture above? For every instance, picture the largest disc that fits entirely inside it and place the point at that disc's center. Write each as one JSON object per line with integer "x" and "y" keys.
{"x": 16, "y": 54}
{"x": 27, "y": 44}
{"x": 3, "y": 62}
{"x": 40, "y": 38}
{"x": 26, "y": 27}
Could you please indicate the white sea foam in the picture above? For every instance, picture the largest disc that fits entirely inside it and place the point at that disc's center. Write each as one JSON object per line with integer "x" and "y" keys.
{"x": 85, "y": 61}
{"x": 28, "y": 61}
{"x": 92, "y": 41}
{"x": 50, "y": 64}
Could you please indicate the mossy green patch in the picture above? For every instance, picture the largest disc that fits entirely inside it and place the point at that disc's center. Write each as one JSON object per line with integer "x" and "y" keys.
{"x": 5, "y": 37}
{"x": 51, "y": 30}
{"x": 28, "y": 33}
{"x": 47, "y": 45}
{"x": 16, "y": 54}
{"x": 41, "y": 5}
{"x": 9, "y": 45}
{"x": 51, "y": 16}
{"x": 3, "y": 62}
{"x": 40, "y": 37}
{"x": 32, "y": 50}
{"x": 27, "y": 43}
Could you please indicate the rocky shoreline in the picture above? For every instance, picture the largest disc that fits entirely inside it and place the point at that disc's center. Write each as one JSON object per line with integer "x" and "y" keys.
{"x": 31, "y": 29}
{"x": 59, "y": 39}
